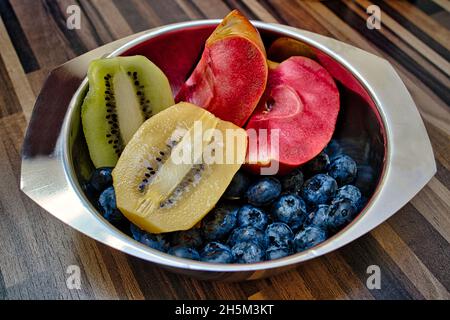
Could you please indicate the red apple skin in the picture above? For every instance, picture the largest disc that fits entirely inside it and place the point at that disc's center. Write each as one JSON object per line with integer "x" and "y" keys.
{"x": 231, "y": 75}
{"x": 302, "y": 101}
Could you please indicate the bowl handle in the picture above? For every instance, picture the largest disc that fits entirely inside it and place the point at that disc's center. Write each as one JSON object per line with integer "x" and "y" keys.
{"x": 44, "y": 176}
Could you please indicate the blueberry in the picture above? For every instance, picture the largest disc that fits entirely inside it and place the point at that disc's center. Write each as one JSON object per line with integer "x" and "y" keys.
{"x": 278, "y": 235}
{"x": 90, "y": 191}
{"x": 184, "y": 252}
{"x": 317, "y": 165}
{"x": 189, "y": 238}
{"x": 251, "y": 216}
{"x": 108, "y": 207}
{"x": 107, "y": 201}
{"x": 136, "y": 232}
{"x": 156, "y": 241}
{"x": 101, "y": 179}
{"x": 290, "y": 209}
{"x": 343, "y": 169}
{"x": 362, "y": 203}
{"x": 341, "y": 213}
{"x": 246, "y": 234}
{"x": 247, "y": 252}
{"x": 365, "y": 179}
{"x": 238, "y": 186}
{"x": 319, "y": 217}
{"x": 309, "y": 237}
{"x": 219, "y": 223}
{"x": 292, "y": 182}
{"x": 216, "y": 252}
{"x": 333, "y": 149}
{"x": 320, "y": 189}
{"x": 348, "y": 192}
{"x": 264, "y": 191}
{"x": 274, "y": 253}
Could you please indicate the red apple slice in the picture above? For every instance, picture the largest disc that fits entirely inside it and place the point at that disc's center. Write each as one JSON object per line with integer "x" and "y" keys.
{"x": 232, "y": 73}
{"x": 302, "y": 102}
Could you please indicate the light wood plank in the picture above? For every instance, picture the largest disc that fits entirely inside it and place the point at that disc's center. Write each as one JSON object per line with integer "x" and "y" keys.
{"x": 409, "y": 263}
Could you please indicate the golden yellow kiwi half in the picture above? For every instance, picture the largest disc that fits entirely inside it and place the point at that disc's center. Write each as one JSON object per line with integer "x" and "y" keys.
{"x": 176, "y": 167}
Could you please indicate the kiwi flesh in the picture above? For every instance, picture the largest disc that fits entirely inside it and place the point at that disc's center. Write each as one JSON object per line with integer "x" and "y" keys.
{"x": 161, "y": 194}
{"x": 123, "y": 93}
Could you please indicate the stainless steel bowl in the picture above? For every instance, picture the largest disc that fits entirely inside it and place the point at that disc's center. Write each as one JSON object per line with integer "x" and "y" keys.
{"x": 379, "y": 122}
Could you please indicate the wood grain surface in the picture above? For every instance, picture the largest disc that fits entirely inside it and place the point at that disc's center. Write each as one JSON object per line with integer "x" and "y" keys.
{"x": 412, "y": 248}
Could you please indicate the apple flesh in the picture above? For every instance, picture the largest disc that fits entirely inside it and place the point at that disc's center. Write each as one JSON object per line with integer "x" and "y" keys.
{"x": 231, "y": 75}
{"x": 301, "y": 101}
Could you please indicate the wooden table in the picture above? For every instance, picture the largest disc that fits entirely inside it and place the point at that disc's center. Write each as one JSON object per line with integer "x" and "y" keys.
{"x": 412, "y": 249}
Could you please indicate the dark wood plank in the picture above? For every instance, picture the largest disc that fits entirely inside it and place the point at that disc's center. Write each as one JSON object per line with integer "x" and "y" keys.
{"x": 9, "y": 104}
{"x": 19, "y": 40}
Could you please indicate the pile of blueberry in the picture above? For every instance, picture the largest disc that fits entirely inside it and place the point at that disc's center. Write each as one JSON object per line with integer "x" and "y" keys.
{"x": 259, "y": 218}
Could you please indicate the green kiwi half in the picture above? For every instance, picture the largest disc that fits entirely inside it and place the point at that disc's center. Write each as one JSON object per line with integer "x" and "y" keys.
{"x": 123, "y": 93}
